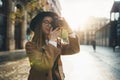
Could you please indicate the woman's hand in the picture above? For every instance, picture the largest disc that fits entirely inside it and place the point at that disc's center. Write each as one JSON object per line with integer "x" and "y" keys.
{"x": 30, "y": 46}
{"x": 54, "y": 34}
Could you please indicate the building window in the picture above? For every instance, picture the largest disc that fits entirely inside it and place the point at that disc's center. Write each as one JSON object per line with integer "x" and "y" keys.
{"x": 114, "y": 16}
{"x": 1, "y": 3}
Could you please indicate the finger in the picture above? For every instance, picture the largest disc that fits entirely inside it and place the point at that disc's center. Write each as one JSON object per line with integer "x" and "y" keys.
{"x": 51, "y": 30}
{"x": 57, "y": 29}
{"x": 29, "y": 44}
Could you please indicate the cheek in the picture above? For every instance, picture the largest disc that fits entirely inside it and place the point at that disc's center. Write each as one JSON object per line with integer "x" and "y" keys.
{"x": 46, "y": 30}
{"x": 43, "y": 29}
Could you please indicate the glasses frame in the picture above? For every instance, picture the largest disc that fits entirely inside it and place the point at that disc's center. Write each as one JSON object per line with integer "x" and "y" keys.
{"x": 46, "y": 22}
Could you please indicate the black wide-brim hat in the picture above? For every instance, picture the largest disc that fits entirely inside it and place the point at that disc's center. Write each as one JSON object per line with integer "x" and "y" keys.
{"x": 39, "y": 17}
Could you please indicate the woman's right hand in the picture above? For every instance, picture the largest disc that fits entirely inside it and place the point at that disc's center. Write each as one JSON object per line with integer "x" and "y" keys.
{"x": 54, "y": 34}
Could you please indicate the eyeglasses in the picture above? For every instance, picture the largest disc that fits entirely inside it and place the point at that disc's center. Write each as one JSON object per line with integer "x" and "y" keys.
{"x": 46, "y": 22}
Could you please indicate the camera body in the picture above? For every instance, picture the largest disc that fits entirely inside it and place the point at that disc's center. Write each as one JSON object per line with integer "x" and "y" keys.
{"x": 64, "y": 36}
{"x": 57, "y": 23}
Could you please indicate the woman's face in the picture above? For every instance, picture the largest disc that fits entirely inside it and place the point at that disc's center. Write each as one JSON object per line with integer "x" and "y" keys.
{"x": 46, "y": 25}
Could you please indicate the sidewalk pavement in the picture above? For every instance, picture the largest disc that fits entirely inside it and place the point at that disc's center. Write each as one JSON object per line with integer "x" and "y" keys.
{"x": 109, "y": 58}
{"x": 107, "y": 55}
{"x": 14, "y": 65}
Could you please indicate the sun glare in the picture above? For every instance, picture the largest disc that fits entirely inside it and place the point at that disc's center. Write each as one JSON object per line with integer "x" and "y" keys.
{"x": 76, "y": 13}
{"x": 77, "y": 17}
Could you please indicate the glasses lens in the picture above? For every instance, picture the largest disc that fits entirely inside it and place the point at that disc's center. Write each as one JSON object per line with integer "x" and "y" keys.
{"x": 47, "y": 23}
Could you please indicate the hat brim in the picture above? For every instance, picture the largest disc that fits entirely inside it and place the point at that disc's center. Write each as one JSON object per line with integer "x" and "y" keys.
{"x": 39, "y": 17}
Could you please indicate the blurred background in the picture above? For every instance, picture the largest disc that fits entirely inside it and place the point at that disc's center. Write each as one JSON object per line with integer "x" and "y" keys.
{"x": 91, "y": 20}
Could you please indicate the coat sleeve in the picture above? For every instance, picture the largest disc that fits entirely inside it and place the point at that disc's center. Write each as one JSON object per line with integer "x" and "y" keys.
{"x": 42, "y": 59}
{"x": 71, "y": 48}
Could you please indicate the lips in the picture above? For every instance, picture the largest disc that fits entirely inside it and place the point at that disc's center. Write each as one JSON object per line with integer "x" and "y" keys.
{"x": 47, "y": 31}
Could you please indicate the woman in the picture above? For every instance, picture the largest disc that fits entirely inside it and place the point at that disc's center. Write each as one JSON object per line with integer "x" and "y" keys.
{"x": 44, "y": 50}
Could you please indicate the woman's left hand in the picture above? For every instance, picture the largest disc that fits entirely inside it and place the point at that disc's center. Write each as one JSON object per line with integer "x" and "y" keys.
{"x": 30, "y": 46}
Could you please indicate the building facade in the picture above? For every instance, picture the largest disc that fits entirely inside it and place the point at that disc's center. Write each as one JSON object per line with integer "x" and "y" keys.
{"x": 15, "y": 16}
{"x": 103, "y": 36}
{"x": 115, "y": 23}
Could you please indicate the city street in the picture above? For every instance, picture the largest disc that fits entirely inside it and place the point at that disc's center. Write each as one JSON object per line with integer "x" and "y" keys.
{"x": 40, "y": 21}
{"x": 103, "y": 64}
